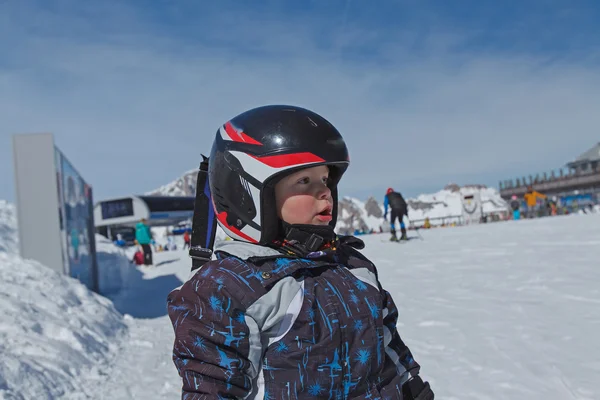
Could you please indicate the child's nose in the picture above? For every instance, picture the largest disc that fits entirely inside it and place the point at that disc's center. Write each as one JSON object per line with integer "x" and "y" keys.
{"x": 324, "y": 192}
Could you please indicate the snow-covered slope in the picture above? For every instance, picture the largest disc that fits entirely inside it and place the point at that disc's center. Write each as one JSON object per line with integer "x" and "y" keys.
{"x": 503, "y": 310}
{"x": 489, "y": 311}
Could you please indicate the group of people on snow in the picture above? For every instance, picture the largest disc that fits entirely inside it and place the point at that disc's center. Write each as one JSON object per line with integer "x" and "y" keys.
{"x": 145, "y": 243}
{"x": 535, "y": 204}
{"x": 531, "y": 203}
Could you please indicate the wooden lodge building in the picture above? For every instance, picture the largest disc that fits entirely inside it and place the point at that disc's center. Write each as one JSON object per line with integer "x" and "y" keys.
{"x": 582, "y": 177}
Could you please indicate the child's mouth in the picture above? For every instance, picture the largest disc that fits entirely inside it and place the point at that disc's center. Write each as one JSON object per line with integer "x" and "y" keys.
{"x": 325, "y": 215}
{"x": 324, "y": 218}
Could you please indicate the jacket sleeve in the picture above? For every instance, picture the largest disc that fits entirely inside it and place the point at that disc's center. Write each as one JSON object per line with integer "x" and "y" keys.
{"x": 412, "y": 385}
{"x": 386, "y": 203}
{"x": 395, "y": 348}
{"x": 212, "y": 343}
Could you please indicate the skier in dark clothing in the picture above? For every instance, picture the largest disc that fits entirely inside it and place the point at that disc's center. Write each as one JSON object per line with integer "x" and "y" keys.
{"x": 288, "y": 309}
{"x": 399, "y": 209}
{"x": 515, "y": 205}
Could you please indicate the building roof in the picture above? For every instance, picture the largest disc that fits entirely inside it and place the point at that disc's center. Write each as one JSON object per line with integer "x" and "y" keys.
{"x": 592, "y": 154}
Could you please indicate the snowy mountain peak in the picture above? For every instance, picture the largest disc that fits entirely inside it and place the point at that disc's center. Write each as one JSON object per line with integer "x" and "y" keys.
{"x": 182, "y": 186}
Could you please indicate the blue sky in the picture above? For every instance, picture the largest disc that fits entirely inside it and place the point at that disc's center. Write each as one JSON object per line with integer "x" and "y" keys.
{"x": 425, "y": 92}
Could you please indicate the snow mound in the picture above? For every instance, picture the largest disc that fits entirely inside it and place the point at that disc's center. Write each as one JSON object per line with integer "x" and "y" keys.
{"x": 9, "y": 242}
{"x": 54, "y": 332}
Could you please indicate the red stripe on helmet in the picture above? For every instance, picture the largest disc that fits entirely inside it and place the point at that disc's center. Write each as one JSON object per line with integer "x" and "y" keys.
{"x": 239, "y": 136}
{"x": 289, "y": 160}
{"x": 222, "y": 217}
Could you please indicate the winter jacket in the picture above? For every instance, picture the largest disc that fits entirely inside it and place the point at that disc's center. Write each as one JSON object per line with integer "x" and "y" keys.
{"x": 531, "y": 198}
{"x": 515, "y": 204}
{"x": 257, "y": 324}
{"x": 142, "y": 233}
{"x": 396, "y": 203}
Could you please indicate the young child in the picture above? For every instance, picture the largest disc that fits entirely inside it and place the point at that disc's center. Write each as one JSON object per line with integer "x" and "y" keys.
{"x": 288, "y": 310}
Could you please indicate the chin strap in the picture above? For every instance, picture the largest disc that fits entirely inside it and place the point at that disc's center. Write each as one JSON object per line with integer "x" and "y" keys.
{"x": 301, "y": 240}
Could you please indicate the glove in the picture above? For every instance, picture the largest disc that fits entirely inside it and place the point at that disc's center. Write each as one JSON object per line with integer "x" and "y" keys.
{"x": 416, "y": 389}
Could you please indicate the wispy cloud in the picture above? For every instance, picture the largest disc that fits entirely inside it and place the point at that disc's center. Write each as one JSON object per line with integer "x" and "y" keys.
{"x": 134, "y": 95}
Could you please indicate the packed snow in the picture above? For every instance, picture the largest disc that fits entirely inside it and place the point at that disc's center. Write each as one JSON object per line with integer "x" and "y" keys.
{"x": 509, "y": 310}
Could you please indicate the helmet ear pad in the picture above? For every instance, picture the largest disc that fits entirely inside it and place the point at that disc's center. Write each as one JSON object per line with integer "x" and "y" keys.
{"x": 270, "y": 226}
{"x": 270, "y": 221}
{"x": 232, "y": 184}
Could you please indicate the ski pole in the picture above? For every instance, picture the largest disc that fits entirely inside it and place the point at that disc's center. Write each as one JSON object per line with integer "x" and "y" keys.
{"x": 416, "y": 229}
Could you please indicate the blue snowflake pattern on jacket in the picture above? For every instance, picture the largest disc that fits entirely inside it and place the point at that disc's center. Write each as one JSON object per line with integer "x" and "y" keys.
{"x": 288, "y": 328}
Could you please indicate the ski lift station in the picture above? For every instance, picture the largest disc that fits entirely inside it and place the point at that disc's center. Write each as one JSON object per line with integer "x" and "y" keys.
{"x": 120, "y": 215}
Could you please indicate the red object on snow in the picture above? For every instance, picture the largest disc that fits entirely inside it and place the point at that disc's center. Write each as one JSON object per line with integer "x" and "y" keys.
{"x": 138, "y": 258}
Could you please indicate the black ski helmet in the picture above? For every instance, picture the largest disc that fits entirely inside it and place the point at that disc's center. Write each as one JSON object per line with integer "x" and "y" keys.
{"x": 253, "y": 151}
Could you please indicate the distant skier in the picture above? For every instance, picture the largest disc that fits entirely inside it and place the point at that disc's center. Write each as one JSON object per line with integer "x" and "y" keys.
{"x": 515, "y": 205}
{"x": 531, "y": 198}
{"x": 143, "y": 237}
{"x": 399, "y": 209}
{"x": 187, "y": 239}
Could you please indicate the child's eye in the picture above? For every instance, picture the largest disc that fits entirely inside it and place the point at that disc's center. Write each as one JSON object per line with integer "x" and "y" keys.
{"x": 325, "y": 180}
{"x": 304, "y": 181}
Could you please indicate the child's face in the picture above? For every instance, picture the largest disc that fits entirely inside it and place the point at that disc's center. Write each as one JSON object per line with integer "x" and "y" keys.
{"x": 304, "y": 198}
